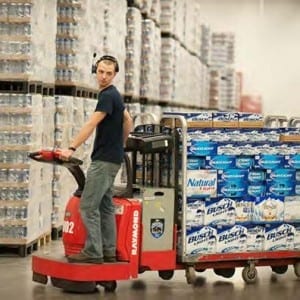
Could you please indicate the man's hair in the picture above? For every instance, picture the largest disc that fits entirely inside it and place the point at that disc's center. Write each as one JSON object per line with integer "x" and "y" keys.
{"x": 109, "y": 58}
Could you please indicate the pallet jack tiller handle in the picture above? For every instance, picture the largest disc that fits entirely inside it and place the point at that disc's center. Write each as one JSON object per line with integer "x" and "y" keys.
{"x": 53, "y": 156}
{"x": 72, "y": 164}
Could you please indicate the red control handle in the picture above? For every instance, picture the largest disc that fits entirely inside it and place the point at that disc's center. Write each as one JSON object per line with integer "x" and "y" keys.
{"x": 53, "y": 156}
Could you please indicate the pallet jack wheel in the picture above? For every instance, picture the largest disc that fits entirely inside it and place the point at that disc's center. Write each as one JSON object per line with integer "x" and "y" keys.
{"x": 190, "y": 274}
{"x": 249, "y": 274}
{"x": 279, "y": 269}
{"x": 74, "y": 286}
{"x": 166, "y": 274}
{"x": 109, "y": 286}
{"x": 297, "y": 268}
{"x": 226, "y": 273}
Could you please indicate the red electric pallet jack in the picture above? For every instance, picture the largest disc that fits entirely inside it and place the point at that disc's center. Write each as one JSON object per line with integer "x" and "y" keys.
{"x": 151, "y": 221}
{"x": 145, "y": 217}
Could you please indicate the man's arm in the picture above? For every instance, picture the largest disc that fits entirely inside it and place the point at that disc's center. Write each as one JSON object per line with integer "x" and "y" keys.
{"x": 127, "y": 125}
{"x": 84, "y": 133}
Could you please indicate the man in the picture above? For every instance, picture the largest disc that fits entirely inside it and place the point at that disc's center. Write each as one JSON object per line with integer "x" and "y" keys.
{"x": 113, "y": 125}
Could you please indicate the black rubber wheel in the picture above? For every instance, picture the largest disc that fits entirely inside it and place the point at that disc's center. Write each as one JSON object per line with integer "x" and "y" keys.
{"x": 72, "y": 286}
{"x": 109, "y": 286}
{"x": 166, "y": 275}
{"x": 279, "y": 269}
{"x": 200, "y": 270}
{"x": 226, "y": 273}
{"x": 249, "y": 274}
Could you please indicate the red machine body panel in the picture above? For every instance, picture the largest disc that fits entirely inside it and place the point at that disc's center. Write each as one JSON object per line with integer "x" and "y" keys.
{"x": 74, "y": 232}
{"x": 128, "y": 219}
{"x": 60, "y": 268}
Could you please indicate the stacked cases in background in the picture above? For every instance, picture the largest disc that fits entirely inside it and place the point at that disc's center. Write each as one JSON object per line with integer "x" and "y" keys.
{"x": 26, "y": 96}
{"x": 242, "y": 184}
{"x": 150, "y": 60}
{"x": 218, "y": 53}
{"x": 70, "y": 115}
{"x": 181, "y": 68}
{"x": 23, "y": 48}
{"x": 25, "y": 190}
{"x": 133, "y": 52}
{"x": 83, "y": 28}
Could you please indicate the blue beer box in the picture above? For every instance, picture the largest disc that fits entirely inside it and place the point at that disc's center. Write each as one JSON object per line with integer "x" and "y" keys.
{"x": 256, "y": 176}
{"x": 219, "y": 162}
{"x": 232, "y": 175}
{"x": 268, "y": 161}
{"x": 281, "y": 174}
{"x": 292, "y": 161}
{"x": 201, "y": 148}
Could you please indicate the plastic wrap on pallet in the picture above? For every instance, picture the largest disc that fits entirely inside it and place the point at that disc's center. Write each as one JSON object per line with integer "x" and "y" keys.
{"x": 155, "y": 11}
{"x": 167, "y": 69}
{"x": 71, "y": 114}
{"x": 167, "y": 20}
{"x": 188, "y": 88}
{"x": 150, "y": 60}
{"x": 205, "y": 48}
{"x": 24, "y": 205}
{"x": 133, "y": 52}
{"x": 63, "y": 121}
{"x": 115, "y": 13}
{"x": 88, "y": 109}
{"x": 192, "y": 29}
{"x": 76, "y": 23}
{"x": 23, "y": 47}
{"x": 146, "y": 7}
{"x": 48, "y": 121}
{"x": 223, "y": 92}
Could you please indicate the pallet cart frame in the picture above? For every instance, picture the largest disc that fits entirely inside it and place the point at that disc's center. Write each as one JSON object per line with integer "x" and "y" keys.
{"x": 225, "y": 264}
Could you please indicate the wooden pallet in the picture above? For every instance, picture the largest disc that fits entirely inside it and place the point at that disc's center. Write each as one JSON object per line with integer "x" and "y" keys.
{"x": 22, "y": 247}
{"x": 71, "y": 89}
{"x": 26, "y": 86}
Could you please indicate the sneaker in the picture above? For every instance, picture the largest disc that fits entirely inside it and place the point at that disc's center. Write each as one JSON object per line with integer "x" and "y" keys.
{"x": 109, "y": 259}
{"x": 83, "y": 258}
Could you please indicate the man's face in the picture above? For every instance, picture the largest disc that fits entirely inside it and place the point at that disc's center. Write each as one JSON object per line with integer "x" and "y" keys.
{"x": 105, "y": 73}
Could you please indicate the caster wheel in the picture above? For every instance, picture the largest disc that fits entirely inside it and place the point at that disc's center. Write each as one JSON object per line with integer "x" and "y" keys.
{"x": 249, "y": 274}
{"x": 190, "y": 275}
{"x": 279, "y": 269}
{"x": 297, "y": 268}
{"x": 166, "y": 275}
{"x": 109, "y": 286}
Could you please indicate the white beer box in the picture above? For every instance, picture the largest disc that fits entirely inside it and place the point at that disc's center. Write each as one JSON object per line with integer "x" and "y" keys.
{"x": 255, "y": 237}
{"x": 232, "y": 239}
{"x": 201, "y": 240}
{"x": 279, "y": 237}
{"x": 195, "y": 210}
{"x": 201, "y": 183}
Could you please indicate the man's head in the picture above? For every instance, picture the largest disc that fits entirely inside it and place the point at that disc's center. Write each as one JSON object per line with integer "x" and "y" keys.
{"x": 106, "y": 69}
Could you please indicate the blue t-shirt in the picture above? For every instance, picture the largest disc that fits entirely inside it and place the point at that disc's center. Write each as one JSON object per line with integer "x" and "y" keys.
{"x": 108, "y": 143}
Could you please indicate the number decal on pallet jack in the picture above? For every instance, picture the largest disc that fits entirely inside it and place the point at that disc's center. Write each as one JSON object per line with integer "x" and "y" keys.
{"x": 68, "y": 227}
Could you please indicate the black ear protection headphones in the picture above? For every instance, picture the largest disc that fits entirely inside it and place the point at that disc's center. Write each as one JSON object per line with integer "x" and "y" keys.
{"x": 104, "y": 57}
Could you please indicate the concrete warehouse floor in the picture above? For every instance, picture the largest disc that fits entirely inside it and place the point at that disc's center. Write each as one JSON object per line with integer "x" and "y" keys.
{"x": 16, "y": 283}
